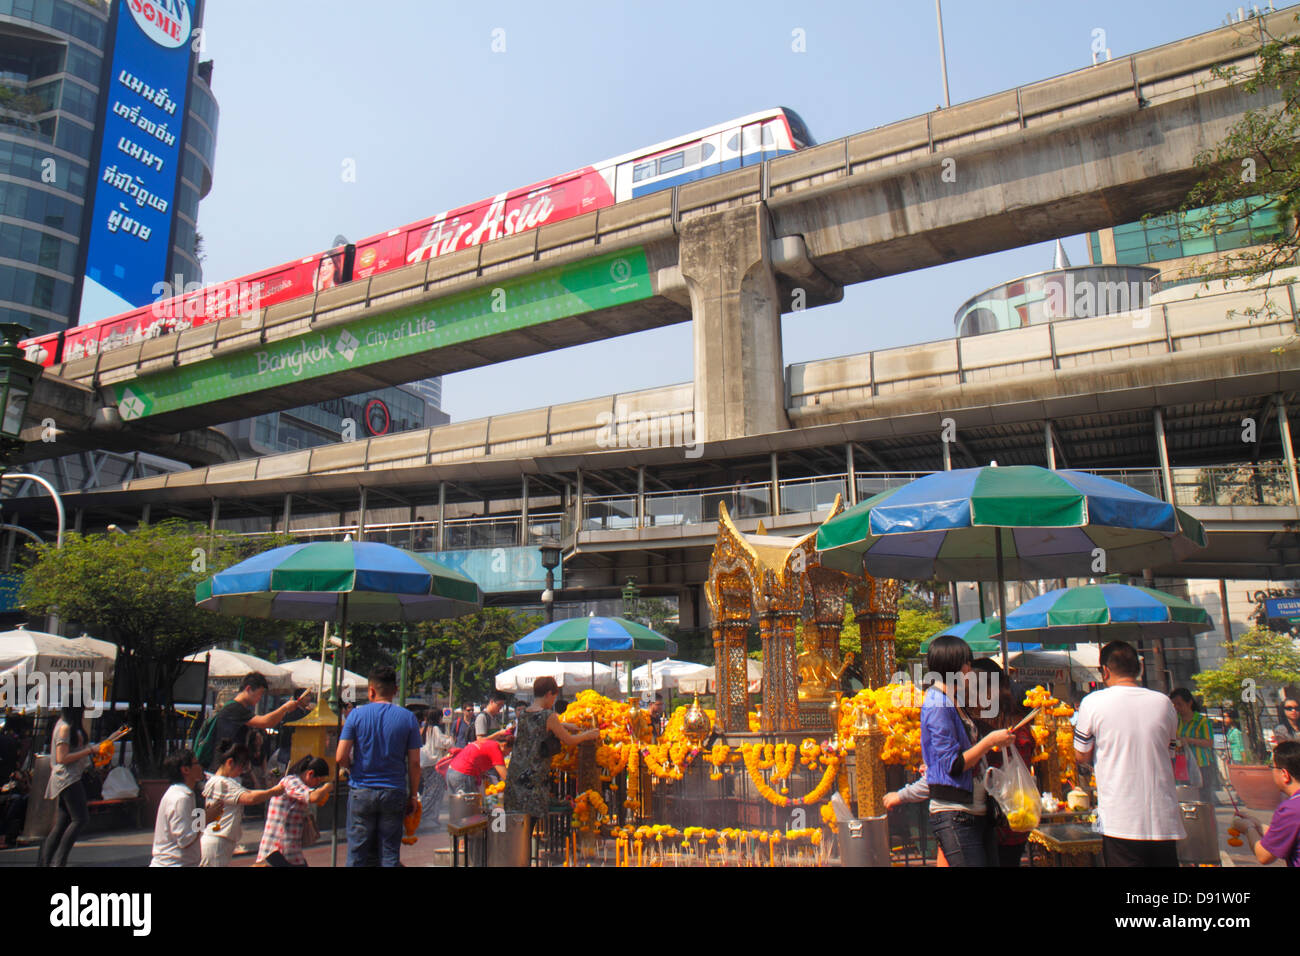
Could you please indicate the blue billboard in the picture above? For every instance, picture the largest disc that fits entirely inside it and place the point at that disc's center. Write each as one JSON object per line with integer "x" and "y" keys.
{"x": 1282, "y": 608}
{"x": 144, "y": 103}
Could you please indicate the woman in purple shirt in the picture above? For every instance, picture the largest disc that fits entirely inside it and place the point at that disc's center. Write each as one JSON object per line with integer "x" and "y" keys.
{"x": 958, "y": 813}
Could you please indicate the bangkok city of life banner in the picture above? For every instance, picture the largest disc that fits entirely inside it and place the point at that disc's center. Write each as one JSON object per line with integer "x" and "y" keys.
{"x": 138, "y": 167}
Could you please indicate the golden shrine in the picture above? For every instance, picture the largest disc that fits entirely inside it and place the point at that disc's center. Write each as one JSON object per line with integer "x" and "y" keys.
{"x": 780, "y": 582}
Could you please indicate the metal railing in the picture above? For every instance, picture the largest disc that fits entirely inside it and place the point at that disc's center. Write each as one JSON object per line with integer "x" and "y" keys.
{"x": 1263, "y": 484}
{"x": 1226, "y": 485}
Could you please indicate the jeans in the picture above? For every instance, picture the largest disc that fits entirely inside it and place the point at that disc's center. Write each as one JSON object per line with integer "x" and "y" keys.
{"x": 375, "y": 826}
{"x": 72, "y": 816}
{"x": 965, "y": 838}
{"x": 458, "y": 782}
{"x": 1116, "y": 852}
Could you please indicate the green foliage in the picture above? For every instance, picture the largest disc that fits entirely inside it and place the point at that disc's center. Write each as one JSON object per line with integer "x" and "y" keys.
{"x": 916, "y": 626}
{"x": 476, "y": 643}
{"x": 1261, "y": 659}
{"x": 1259, "y": 157}
{"x": 137, "y": 590}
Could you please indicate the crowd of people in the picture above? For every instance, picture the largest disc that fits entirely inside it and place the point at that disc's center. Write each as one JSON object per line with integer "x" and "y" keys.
{"x": 1145, "y": 749}
{"x": 1140, "y": 744}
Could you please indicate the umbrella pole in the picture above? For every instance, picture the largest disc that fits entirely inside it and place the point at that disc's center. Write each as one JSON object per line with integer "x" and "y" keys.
{"x": 338, "y": 734}
{"x": 1002, "y": 597}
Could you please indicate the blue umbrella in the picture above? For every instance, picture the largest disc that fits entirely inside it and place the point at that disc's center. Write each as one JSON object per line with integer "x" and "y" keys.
{"x": 1106, "y": 612}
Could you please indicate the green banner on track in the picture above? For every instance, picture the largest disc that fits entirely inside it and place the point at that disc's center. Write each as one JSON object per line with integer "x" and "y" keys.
{"x": 599, "y": 283}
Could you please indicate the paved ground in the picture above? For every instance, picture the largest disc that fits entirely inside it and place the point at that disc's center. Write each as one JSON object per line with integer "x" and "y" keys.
{"x": 133, "y": 848}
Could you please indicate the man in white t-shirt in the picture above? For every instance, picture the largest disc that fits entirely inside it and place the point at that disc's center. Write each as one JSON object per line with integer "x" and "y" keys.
{"x": 1126, "y": 733}
{"x": 176, "y": 831}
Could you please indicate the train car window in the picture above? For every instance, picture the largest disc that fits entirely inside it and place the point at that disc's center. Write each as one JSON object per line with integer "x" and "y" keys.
{"x": 643, "y": 171}
{"x": 733, "y": 144}
{"x": 706, "y": 150}
{"x": 674, "y": 161}
{"x": 769, "y": 138}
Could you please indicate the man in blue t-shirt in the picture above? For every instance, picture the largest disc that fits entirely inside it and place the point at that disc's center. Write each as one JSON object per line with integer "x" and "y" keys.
{"x": 380, "y": 747}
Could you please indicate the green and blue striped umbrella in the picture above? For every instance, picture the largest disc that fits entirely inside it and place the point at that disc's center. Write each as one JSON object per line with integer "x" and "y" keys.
{"x": 1106, "y": 612}
{"x": 951, "y": 525}
{"x": 603, "y": 639}
{"x": 324, "y": 580}
{"x": 982, "y": 636}
{"x": 1023, "y": 521}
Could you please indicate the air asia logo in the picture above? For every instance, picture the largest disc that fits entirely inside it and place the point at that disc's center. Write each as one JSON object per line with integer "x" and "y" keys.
{"x": 166, "y": 22}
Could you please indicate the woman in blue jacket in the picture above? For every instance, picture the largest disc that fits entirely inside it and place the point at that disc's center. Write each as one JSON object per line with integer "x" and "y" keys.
{"x": 952, "y": 752}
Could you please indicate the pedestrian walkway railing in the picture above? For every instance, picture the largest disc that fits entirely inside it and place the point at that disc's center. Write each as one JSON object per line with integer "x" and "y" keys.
{"x": 1239, "y": 485}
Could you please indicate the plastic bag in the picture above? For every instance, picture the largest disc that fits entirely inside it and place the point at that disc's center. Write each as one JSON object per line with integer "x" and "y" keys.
{"x": 1187, "y": 772}
{"x": 1015, "y": 790}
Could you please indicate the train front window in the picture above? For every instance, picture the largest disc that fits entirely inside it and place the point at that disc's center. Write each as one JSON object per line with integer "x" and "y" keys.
{"x": 643, "y": 171}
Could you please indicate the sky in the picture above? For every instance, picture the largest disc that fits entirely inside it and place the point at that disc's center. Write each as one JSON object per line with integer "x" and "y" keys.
{"x": 355, "y": 118}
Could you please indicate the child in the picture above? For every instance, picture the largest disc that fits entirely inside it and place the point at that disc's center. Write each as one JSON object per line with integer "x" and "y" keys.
{"x": 1281, "y": 840}
{"x": 222, "y": 836}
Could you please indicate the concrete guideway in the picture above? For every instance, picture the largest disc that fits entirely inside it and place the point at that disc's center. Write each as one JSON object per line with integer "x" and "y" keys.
{"x": 1091, "y": 148}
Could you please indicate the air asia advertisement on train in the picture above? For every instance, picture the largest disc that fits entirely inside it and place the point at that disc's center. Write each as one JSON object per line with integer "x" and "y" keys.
{"x": 144, "y": 103}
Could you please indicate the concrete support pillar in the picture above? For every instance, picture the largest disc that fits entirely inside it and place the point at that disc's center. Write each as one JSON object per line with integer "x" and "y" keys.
{"x": 1287, "y": 450}
{"x": 1227, "y": 618}
{"x": 640, "y": 496}
{"x": 144, "y": 515}
{"x": 361, "y": 515}
{"x": 216, "y": 514}
{"x": 76, "y": 521}
{"x": 739, "y": 371}
{"x": 1051, "y": 445}
{"x": 775, "y": 493}
{"x": 853, "y": 473}
{"x": 442, "y": 516}
{"x": 578, "y": 506}
{"x": 288, "y": 514}
{"x": 1162, "y": 449}
{"x": 523, "y": 514}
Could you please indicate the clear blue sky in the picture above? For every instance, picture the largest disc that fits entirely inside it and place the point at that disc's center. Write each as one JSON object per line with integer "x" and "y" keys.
{"x": 411, "y": 92}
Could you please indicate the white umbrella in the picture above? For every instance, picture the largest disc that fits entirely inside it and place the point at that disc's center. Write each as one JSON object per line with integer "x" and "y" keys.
{"x": 105, "y": 649}
{"x": 39, "y": 670}
{"x": 305, "y": 673}
{"x": 706, "y": 681}
{"x": 228, "y": 668}
{"x": 572, "y": 676}
{"x": 666, "y": 674}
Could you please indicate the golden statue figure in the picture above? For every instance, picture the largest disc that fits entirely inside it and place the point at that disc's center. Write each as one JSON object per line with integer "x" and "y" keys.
{"x": 818, "y": 680}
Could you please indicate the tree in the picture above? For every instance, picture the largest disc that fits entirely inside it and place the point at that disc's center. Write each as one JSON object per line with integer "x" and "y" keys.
{"x": 137, "y": 590}
{"x": 475, "y": 643}
{"x": 914, "y": 627}
{"x": 1255, "y": 166}
{"x": 1260, "y": 661}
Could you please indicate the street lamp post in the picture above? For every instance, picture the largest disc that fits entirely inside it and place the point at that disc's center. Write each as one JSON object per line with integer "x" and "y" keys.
{"x": 18, "y": 379}
{"x": 550, "y": 561}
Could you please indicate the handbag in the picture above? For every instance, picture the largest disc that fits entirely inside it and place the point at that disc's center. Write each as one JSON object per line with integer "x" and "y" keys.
{"x": 310, "y": 832}
{"x": 442, "y": 765}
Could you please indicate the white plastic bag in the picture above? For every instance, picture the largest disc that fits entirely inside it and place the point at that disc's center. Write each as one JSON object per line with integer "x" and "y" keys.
{"x": 1014, "y": 788}
{"x": 120, "y": 785}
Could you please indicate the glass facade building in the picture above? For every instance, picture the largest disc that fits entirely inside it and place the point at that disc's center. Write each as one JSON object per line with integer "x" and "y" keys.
{"x": 1209, "y": 231}
{"x": 51, "y": 76}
